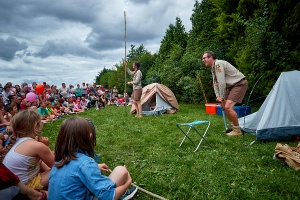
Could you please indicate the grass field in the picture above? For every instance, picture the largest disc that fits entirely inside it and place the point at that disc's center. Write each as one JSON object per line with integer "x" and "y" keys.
{"x": 149, "y": 147}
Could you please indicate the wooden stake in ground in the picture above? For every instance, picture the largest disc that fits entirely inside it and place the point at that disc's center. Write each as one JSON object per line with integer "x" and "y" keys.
{"x": 202, "y": 89}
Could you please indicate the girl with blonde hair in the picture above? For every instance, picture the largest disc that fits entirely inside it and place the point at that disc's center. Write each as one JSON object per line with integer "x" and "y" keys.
{"x": 30, "y": 158}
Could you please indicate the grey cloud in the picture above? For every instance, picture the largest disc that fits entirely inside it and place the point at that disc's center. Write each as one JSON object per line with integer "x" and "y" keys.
{"x": 140, "y": 1}
{"x": 79, "y": 10}
{"x": 63, "y": 47}
{"x": 78, "y": 36}
{"x": 9, "y": 47}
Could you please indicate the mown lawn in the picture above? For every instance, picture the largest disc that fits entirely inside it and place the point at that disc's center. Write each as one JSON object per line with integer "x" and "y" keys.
{"x": 149, "y": 147}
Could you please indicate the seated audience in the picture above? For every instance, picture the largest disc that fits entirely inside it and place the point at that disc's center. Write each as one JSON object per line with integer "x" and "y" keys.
{"x": 77, "y": 107}
{"x": 5, "y": 127}
{"x": 52, "y": 111}
{"x": 70, "y": 105}
{"x": 102, "y": 101}
{"x": 44, "y": 113}
{"x": 24, "y": 104}
{"x": 93, "y": 99}
{"x": 5, "y": 94}
{"x": 58, "y": 109}
{"x": 84, "y": 103}
{"x": 11, "y": 110}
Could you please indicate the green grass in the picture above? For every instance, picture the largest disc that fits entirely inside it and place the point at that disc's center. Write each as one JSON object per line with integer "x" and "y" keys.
{"x": 149, "y": 147}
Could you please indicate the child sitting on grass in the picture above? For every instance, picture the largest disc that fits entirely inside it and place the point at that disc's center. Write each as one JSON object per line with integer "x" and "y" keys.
{"x": 5, "y": 127}
{"x": 44, "y": 113}
{"x": 11, "y": 187}
{"x": 77, "y": 107}
{"x": 52, "y": 111}
{"x": 76, "y": 175}
{"x": 11, "y": 110}
{"x": 30, "y": 157}
{"x": 58, "y": 109}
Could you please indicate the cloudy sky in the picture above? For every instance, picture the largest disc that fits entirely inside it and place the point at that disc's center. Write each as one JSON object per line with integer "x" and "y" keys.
{"x": 72, "y": 40}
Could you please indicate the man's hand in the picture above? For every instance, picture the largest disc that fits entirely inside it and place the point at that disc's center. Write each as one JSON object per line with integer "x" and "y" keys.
{"x": 220, "y": 99}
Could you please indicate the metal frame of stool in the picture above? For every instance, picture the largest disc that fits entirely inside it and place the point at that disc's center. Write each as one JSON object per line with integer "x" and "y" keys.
{"x": 191, "y": 126}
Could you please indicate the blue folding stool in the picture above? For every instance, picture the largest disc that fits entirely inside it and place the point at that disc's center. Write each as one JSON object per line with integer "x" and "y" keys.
{"x": 192, "y": 126}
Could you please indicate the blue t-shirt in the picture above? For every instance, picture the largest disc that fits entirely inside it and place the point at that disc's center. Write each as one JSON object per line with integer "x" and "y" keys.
{"x": 78, "y": 179}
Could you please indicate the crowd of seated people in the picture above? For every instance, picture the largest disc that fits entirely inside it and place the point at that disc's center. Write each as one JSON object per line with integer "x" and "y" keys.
{"x": 17, "y": 110}
{"x": 55, "y": 102}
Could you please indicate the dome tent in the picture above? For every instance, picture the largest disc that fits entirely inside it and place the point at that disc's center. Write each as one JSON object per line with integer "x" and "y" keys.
{"x": 157, "y": 95}
{"x": 278, "y": 118}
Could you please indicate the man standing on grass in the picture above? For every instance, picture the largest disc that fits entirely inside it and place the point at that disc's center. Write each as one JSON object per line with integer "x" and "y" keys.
{"x": 230, "y": 86}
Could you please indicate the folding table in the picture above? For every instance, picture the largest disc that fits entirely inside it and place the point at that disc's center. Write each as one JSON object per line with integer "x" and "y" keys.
{"x": 191, "y": 126}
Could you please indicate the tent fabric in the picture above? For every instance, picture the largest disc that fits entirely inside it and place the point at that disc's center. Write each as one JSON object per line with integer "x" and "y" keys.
{"x": 157, "y": 95}
{"x": 278, "y": 118}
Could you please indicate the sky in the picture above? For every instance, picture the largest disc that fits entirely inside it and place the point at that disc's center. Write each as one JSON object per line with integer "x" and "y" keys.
{"x": 71, "y": 41}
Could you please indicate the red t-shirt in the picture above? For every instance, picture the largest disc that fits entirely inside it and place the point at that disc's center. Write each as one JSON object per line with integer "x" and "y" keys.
{"x": 7, "y": 178}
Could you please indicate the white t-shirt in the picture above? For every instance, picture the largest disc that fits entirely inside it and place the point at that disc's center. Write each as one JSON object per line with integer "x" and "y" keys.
{"x": 63, "y": 92}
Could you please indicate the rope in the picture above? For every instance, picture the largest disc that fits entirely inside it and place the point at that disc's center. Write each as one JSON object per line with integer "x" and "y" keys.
{"x": 146, "y": 191}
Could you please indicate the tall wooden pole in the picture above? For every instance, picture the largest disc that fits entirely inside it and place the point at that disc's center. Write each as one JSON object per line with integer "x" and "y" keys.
{"x": 202, "y": 89}
{"x": 125, "y": 50}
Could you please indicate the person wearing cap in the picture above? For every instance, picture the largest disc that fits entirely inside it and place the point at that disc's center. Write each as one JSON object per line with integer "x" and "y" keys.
{"x": 230, "y": 87}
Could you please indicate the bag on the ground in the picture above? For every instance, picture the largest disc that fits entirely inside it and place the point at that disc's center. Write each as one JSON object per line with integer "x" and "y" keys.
{"x": 288, "y": 155}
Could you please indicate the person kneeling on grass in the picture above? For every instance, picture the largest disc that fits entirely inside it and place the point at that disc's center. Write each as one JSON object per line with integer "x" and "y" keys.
{"x": 76, "y": 175}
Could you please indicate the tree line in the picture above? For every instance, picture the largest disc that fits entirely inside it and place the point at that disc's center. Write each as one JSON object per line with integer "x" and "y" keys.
{"x": 260, "y": 37}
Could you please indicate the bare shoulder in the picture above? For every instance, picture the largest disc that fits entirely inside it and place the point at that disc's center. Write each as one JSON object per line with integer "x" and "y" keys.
{"x": 31, "y": 148}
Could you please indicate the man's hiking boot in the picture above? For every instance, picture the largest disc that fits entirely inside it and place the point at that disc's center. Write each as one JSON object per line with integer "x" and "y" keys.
{"x": 236, "y": 131}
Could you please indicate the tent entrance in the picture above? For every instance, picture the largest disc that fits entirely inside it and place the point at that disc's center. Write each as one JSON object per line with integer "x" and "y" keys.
{"x": 155, "y": 101}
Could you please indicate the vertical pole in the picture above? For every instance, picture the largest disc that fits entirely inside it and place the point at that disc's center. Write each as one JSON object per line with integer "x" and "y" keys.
{"x": 125, "y": 50}
{"x": 202, "y": 89}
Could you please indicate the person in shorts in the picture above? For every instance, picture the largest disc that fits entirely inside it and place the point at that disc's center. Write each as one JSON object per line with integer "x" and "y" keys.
{"x": 230, "y": 86}
{"x": 137, "y": 87}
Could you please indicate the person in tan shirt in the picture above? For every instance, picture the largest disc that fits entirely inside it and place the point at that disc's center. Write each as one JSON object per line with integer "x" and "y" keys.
{"x": 230, "y": 86}
{"x": 137, "y": 87}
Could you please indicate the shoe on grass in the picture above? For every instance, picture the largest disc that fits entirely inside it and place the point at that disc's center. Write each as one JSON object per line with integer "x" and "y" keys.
{"x": 129, "y": 193}
{"x": 236, "y": 131}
